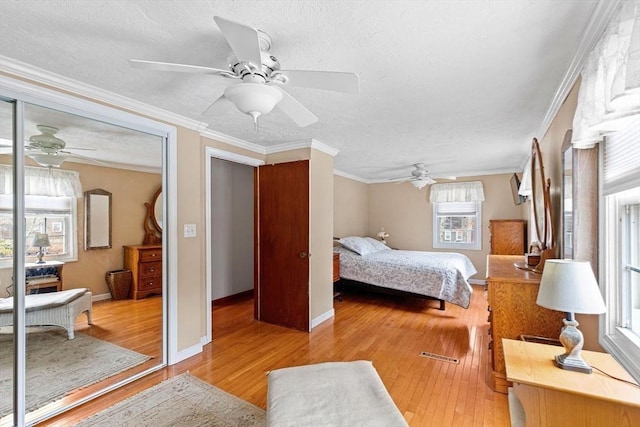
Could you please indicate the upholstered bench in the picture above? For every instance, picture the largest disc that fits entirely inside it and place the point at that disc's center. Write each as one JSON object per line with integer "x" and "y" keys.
{"x": 330, "y": 394}
{"x": 50, "y": 309}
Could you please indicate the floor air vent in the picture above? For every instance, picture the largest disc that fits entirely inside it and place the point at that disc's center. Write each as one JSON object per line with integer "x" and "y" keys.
{"x": 439, "y": 357}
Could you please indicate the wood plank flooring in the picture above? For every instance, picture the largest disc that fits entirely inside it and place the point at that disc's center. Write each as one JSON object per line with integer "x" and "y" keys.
{"x": 391, "y": 331}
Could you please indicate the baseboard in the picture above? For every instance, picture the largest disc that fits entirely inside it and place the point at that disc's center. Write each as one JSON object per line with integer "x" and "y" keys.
{"x": 478, "y": 282}
{"x": 100, "y": 297}
{"x": 187, "y": 353}
{"x": 230, "y": 299}
{"x": 325, "y": 316}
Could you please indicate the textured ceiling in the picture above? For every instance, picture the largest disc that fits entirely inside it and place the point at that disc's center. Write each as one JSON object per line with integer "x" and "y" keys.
{"x": 462, "y": 86}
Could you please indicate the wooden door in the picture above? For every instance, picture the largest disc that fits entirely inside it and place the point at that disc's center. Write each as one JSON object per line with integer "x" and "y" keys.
{"x": 282, "y": 244}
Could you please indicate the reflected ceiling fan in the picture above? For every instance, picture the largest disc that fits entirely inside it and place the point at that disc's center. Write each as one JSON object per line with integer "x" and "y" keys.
{"x": 50, "y": 151}
{"x": 420, "y": 177}
{"x": 261, "y": 81}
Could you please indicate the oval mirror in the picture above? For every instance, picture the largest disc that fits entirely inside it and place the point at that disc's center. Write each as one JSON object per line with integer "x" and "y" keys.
{"x": 157, "y": 213}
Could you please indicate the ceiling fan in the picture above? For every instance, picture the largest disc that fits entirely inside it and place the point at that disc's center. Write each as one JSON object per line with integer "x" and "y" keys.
{"x": 49, "y": 151}
{"x": 261, "y": 80}
{"x": 420, "y": 177}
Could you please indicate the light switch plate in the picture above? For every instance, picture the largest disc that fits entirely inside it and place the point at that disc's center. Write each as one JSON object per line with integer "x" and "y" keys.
{"x": 189, "y": 230}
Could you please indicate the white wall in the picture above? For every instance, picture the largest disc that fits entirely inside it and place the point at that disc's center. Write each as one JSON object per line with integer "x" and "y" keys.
{"x": 231, "y": 228}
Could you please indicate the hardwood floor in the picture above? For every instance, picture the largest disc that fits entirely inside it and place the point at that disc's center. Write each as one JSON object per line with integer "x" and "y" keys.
{"x": 391, "y": 331}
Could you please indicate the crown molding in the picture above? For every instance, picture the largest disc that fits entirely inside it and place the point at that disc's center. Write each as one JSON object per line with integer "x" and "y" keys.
{"x": 352, "y": 177}
{"x": 231, "y": 140}
{"x": 308, "y": 143}
{"x": 594, "y": 29}
{"x": 21, "y": 70}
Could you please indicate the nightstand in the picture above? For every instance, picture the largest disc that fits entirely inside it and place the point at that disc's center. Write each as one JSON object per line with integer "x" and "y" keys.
{"x": 337, "y": 294}
{"x": 551, "y": 396}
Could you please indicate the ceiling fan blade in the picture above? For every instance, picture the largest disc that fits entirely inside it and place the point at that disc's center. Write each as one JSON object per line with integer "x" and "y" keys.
{"x": 326, "y": 80}
{"x": 243, "y": 40}
{"x": 217, "y": 106}
{"x": 452, "y": 178}
{"x": 295, "y": 110}
{"x": 180, "y": 68}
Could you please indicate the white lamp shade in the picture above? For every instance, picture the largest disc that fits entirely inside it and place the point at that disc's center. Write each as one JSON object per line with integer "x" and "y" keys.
{"x": 47, "y": 160}
{"x": 571, "y": 287}
{"x": 420, "y": 183}
{"x": 253, "y": 98}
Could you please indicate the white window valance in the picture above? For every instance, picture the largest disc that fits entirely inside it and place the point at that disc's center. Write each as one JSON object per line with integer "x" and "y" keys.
{"x": 609, "y": 96}
{"x": 457, "y": 192}
{"x": 43, "y": 182}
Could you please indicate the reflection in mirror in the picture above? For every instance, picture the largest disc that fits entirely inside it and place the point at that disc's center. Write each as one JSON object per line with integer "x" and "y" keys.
{"x": 71, "y": 362}
{"x": 541, "y": 197}
{"x": 97, "y": 221}
{"x": 567, "y": 197}
{"x": 157, "y": 210}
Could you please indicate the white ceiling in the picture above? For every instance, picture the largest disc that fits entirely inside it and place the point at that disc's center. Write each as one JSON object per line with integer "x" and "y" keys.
{"x": 462, "y": 86}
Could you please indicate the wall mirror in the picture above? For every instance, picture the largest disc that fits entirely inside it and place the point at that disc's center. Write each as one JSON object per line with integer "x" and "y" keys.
{"x": 541, "y": 197}
{"x": 566, "y": 243}
{"x": 97, "y": 219}
{"x": 153, "y": 220}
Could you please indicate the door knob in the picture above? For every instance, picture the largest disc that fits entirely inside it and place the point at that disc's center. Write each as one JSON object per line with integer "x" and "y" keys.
{"x": 303, "y": 254}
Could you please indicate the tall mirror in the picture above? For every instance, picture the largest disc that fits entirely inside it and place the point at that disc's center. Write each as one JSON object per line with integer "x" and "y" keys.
{"x": 567, "y": 197}
{"x": 541, "y": 198}
{"x": 113, "y": 337}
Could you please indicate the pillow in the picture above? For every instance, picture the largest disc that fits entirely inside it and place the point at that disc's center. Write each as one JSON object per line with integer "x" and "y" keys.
{"x": 357, "y": 244}
{"x": 377, "y": 244}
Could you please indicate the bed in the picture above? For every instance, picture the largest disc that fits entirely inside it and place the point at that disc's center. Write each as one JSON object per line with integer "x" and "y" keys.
{"x": 439, "y": 275}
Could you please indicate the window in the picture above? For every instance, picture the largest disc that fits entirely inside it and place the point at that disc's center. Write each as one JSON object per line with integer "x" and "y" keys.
{"x": 620, "y": 247}
{"x": 55, "y": 216}
{"x": 456, "y": 225}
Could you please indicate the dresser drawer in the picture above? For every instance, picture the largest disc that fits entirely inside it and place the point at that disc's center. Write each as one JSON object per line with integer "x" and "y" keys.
{"x": 148, "y": 255}
{"x": 150, "y": 269}
{"x": 147, "y": 283}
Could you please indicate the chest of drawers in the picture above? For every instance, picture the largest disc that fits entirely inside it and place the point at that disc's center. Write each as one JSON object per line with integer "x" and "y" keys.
{"x": 145, "y": 263}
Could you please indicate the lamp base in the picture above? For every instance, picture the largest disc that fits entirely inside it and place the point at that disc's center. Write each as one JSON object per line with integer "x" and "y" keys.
{"x": 571, "y": 363}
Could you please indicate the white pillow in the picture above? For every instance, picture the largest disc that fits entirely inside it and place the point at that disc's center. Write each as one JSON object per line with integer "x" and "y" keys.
{"x": 357, "y": 244}
{"x": 377, "y": 244}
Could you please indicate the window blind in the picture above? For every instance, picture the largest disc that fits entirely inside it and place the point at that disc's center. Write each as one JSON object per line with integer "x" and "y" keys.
{"x": 453, "y": 208}
{"x": 621, "y": 168}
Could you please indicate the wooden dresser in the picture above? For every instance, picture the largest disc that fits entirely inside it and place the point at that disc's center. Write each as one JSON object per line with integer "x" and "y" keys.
{"x": 145, "y": 263}
{"x": 336, "y": 276}
{"x": 508, "y": 236}
{"x": 513, "y": 311}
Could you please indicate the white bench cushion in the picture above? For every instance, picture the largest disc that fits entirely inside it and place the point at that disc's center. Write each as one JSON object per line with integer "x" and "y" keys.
{"x": 330, "y": 394}
{"x": 42, "y": 301}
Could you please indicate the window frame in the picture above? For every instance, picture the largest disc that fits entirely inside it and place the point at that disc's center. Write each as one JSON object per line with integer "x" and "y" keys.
{"x": 475, "y": 246}
{"x": 620, "y": 342}
{"x": 71, "y": 236}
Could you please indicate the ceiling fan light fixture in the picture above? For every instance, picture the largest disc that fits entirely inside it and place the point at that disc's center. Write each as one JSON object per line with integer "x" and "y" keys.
{"x": 47, "y": 160}
{"x": 253, "y": 99}
{"x": 420, "y": 183}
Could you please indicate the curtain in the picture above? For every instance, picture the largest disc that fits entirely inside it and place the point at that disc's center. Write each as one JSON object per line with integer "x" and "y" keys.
{"x": 609, "y": 96}
{"x": 43, "y": 182}
{"x": 457, "y": 192}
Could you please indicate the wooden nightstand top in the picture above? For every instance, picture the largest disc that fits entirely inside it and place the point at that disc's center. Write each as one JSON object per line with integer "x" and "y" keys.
{"x": 532, "y": 364}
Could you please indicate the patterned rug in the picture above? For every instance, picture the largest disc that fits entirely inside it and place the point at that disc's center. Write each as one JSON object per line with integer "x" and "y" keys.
{"x": 57, "y": 366}
{"x": 180, "y": 401}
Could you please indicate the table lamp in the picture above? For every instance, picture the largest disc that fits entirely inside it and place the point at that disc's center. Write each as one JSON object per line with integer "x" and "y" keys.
{"x": 382, "y": 235}
{"x": 570, "y": 286}
{"x": 40, "y": 240}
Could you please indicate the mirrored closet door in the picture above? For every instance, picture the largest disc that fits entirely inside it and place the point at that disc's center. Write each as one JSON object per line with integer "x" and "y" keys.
{"x": 117, "y": 333}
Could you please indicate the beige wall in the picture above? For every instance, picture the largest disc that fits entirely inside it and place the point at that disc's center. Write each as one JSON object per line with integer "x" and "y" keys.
{"x": 407, "y": 215}
{"x": 320, "y": 233}
{"x": 351, "y": 207}
{"x": 550, "y": 146}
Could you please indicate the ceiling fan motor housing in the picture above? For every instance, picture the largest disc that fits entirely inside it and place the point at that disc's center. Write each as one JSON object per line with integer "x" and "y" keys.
{"x": 47, "y": 141}
{"x": 269, "y": 64}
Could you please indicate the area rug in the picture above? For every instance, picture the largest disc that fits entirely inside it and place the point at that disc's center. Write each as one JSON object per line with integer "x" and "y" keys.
{"x": 180, "y": 401}
{"x": 57, "y": 366}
